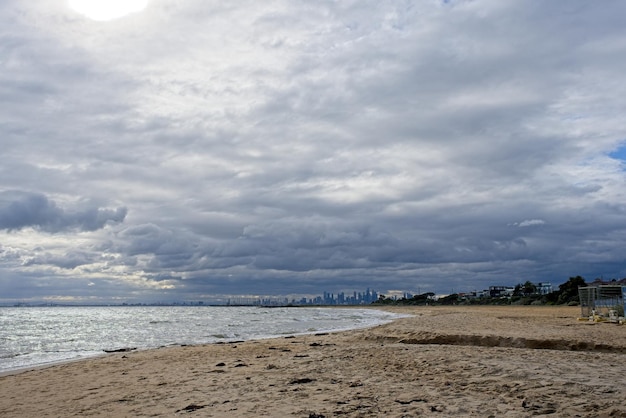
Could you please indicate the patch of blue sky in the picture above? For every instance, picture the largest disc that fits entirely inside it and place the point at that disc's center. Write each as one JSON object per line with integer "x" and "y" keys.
{"x": 619, "y": 153}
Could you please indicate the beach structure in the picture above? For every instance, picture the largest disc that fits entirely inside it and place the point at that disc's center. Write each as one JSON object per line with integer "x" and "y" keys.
{"x": 603, "y": 303}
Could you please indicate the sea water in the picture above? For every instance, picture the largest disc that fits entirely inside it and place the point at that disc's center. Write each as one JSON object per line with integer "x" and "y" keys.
{"x": 34, "y": 336}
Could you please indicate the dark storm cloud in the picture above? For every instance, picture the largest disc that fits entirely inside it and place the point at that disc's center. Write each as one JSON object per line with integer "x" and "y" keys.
{"x": 167, "y": 249}
{"x": 69, "y": 260}
{"x": 24, "y": 209}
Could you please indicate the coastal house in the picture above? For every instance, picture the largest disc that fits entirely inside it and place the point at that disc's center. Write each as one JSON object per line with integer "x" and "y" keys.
{"x": 501, "y": 291}
{"x": 543, "y": 288}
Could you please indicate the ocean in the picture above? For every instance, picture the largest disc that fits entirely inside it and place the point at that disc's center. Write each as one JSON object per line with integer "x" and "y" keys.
{"x": 36, "y": 336}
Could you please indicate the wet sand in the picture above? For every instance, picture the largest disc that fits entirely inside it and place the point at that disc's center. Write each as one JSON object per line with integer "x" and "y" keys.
{"x": 442, "y": 361}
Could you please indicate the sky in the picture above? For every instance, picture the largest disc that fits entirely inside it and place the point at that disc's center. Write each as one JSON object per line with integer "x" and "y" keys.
{"x": 198, "y": 148}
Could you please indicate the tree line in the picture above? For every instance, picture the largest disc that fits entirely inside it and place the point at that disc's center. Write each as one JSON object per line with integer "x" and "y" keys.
{"x": 524, "y": 294}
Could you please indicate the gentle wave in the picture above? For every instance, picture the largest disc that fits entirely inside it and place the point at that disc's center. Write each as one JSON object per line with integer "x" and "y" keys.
{"x": 38, "y": 336}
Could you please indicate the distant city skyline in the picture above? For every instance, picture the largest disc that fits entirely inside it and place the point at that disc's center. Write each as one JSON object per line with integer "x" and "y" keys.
{"x": 327, "y": 298}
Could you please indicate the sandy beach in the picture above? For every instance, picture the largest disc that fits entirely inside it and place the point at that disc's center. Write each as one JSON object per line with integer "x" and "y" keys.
{"x": 442, "y": 361}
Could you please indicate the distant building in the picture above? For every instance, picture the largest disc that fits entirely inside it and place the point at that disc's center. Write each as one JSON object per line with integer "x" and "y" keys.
{"x": 500, "y": 291}
{"x": 543, "y": 288}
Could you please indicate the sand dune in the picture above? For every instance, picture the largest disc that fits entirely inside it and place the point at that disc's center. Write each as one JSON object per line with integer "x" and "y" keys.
{"x": 444, "y": 361}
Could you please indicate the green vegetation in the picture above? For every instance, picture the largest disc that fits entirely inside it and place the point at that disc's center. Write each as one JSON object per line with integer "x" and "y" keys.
{"x": 524, "y": 294}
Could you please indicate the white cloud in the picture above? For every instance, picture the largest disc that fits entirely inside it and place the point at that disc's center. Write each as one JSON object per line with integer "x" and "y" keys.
{"x": 531, "y": 222}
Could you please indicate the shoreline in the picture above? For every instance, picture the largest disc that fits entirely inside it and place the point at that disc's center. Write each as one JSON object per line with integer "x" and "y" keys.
{"x": 108, "y": 348}
{"x": 449, "y": 360}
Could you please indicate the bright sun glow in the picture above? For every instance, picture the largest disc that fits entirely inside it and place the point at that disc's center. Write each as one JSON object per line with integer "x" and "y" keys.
{"x": 107, "y": 9}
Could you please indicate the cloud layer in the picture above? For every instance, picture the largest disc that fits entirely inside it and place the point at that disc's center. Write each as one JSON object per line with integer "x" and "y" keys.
{"x": 200, "y": 148}
{"x": 20, "y": 210}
